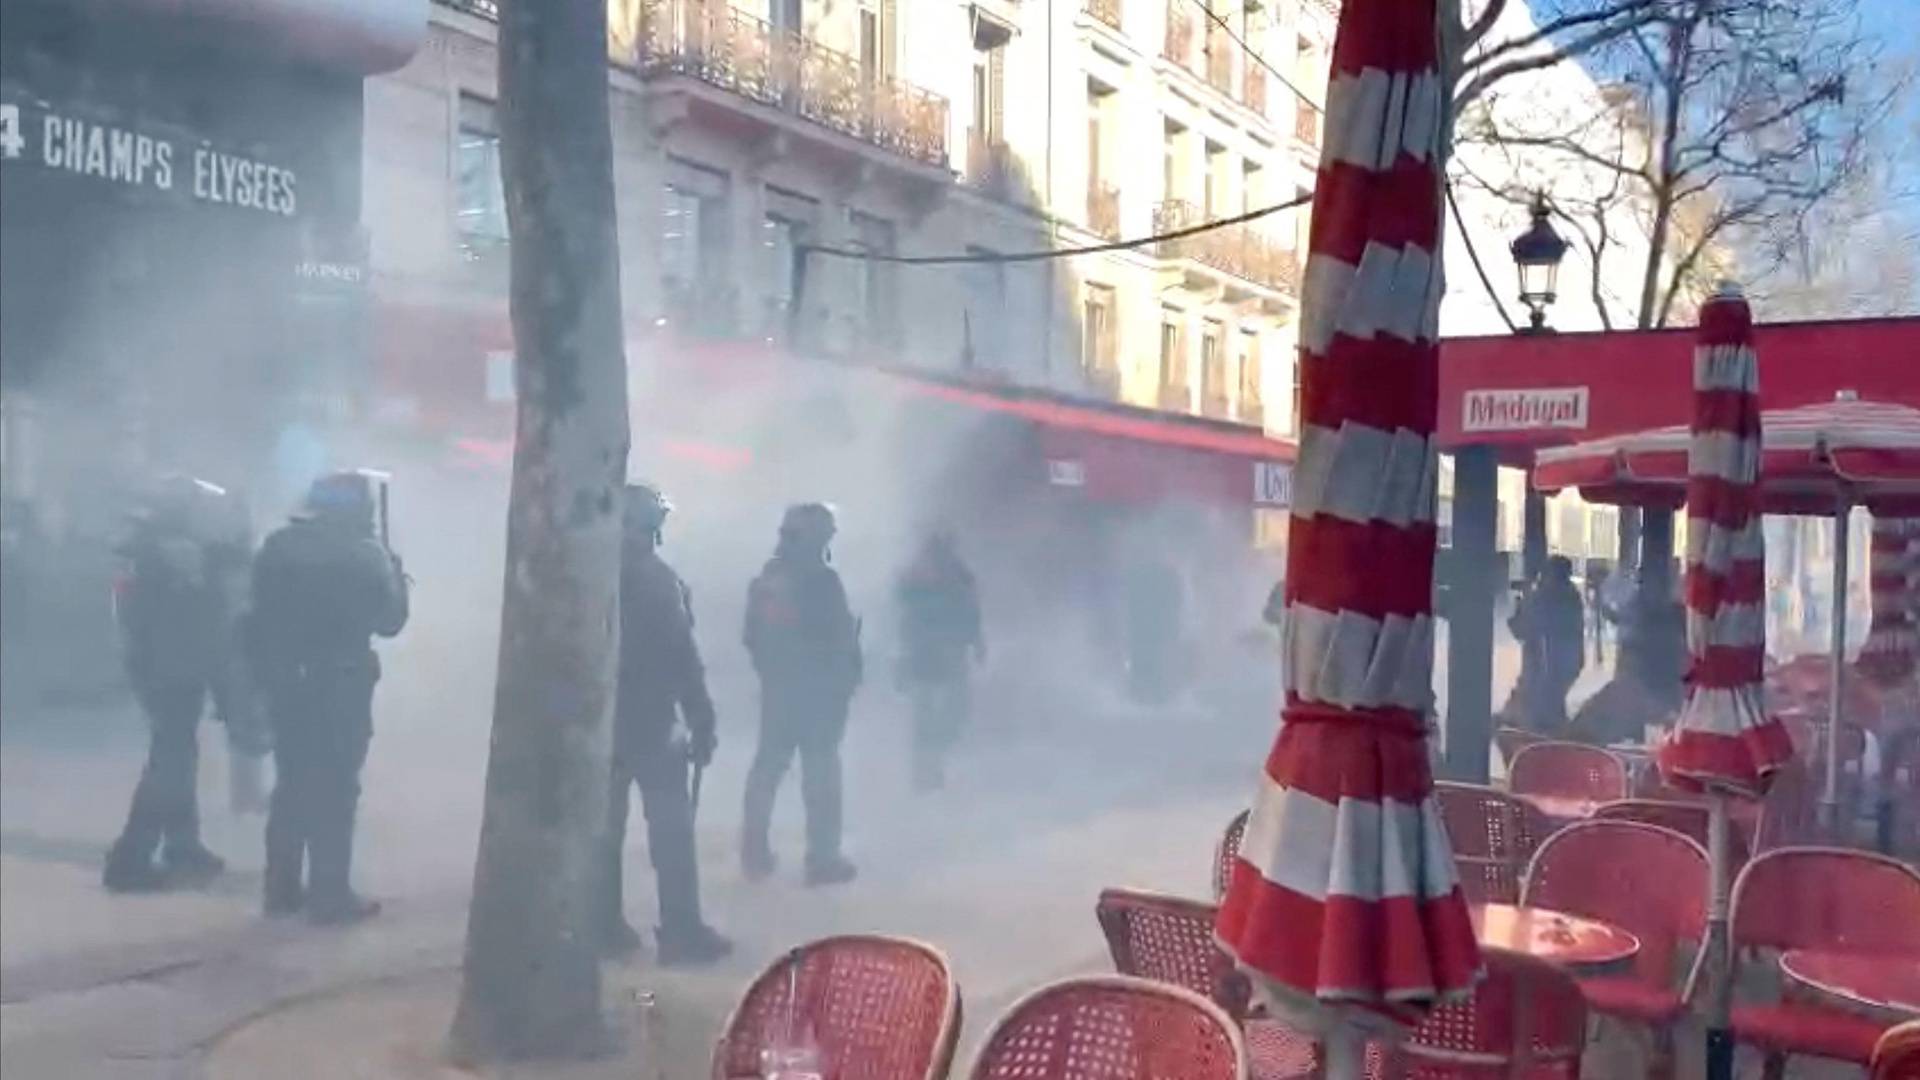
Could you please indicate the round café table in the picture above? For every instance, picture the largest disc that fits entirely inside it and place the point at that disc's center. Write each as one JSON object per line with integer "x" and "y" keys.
{"x": 1880, "y": 987}
{"x": 1563, "y": 809}
{"x": 1581, "y": 945}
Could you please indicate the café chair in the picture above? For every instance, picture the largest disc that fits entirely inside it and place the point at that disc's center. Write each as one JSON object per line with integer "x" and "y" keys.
{"x": 1228, "y": 852}
{"x": 1111, "y": 1027}
{"x": 1525, "y": 1019}
{"x": 877, "y": 1008}
{"x": 1493, "y": 835}
{"x": 1689, "y": 819}
{"x": 1651, "y": 882}
{"x": 1897, "y": 1055}
{"x": 1820, "y": 898}
{"x": 1569, "y": 770}
{"x": 1170, "y": 939}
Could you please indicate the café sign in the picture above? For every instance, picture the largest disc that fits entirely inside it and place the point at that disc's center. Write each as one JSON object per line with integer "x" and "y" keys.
{"x": 1272, "y": 484}
{"x": 72, "y": 142}
{"x": 1560, "y": 407}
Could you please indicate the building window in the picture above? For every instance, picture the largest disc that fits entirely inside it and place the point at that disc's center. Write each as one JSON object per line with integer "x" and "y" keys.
{"x": 1217, "y": 171}
{"x": 869, "y": 45}
{"x": 1099, "y": 345}
{"x": 1174, "y": 393}
{"x": 1213, "y": 369}
{"x": 1303, "y": 221}
{"x": 787, "y": 17}
{"x": 874, "y": 279}
{"x": 989, "y": 80}
{"x": 1252, "y": 406}
{"x": 481, "y": 210}
{"x": 1251, "y": 183}
{"x": 1172, "y": 169}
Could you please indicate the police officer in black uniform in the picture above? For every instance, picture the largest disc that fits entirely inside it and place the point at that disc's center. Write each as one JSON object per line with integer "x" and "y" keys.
{"x": 323, "y": 585}
{"x": 805, "y": 645}
{"x": 661, "y": 682}
{"x": 178, "y": 635}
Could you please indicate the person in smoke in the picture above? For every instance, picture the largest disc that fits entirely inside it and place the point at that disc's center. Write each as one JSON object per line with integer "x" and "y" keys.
{"x": 661, "y": 683}
{"x": 805, "y": 645}
{"x": 323, "y": 586}
{"x": 1550, "y": 624}
{"x": 177, "y": 633}
{"x": 1154, "y": 601}
{"x": 940, "y": 637}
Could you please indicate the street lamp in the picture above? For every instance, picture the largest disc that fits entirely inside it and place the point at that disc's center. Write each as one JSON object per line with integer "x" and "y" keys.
{"x": 1537, "y": 254}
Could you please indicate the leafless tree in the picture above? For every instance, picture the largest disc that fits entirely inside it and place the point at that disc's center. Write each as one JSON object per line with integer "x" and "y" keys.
{"x": 1730, "y": 128}
{"x": 532, "y": 981}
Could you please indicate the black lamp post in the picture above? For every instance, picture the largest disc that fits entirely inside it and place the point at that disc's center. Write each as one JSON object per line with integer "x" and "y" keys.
{"x": 1537, "y": 254}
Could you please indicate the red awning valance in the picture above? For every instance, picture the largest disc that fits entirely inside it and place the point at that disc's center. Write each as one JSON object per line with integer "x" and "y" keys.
{"x": 1523, "y": 392}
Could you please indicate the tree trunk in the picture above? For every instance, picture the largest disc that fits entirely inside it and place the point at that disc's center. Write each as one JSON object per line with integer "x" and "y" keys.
{"x": 532, "y": 980}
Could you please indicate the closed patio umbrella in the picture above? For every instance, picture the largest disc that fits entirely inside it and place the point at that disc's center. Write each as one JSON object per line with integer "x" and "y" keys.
{"x": 1890, "y": 656}
{"x": 1343, "y": 905}
{"x": 1724, "y": 743}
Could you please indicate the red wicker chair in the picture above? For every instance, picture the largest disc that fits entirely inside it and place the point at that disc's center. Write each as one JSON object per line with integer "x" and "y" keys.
{"x": 1645, "y": 879}
{"x": 1897, "y": 1055}
{"x": 1170, "y": 939}
{"x": 1689, "y": 819}
{"x": 1493, "y": 836}
{"x": 1511, "y": 740}
{"x": 1112, "y": 1028}
{"x": 1811, "y": 897}
{"x": 1526, "y": 1019}
{"x": 1228, "y": 851}
{"x": 879, "y": 1008}
{"x": 1569, "y": 770}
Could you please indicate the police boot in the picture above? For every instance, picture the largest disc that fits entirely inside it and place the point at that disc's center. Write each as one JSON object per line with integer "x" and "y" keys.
{"x": 830, "y": 870}
{"x": 342, "y": 910}
{"x": 129, "y": 870}
{"x": 692, "y": 945}
{"x": 192, "y": 863}
{"x": 757, "y": 860}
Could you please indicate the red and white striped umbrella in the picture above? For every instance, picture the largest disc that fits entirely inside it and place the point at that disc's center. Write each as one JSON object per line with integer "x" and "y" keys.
{"x": 1724, "y": 740}
{"x": 1887, "y": 657}
{"x": 1869, "y": 448}
{"x": 1344, "y": 905}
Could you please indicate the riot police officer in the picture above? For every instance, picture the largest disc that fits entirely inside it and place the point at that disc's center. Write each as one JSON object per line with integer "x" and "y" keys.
{"x": 178, "y": 635}
{"x": 805, "y": 645}
{"x": 939, "y": 634}
{"x": 323, "y": 585}
{"x": 661, "y": 682}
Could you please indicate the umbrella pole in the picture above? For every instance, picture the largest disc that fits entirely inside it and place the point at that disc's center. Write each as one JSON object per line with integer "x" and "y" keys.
{"x": 1718, "y": 962}
{"x": 1836, "y": 683}
{"x": 1345, "y": 1047}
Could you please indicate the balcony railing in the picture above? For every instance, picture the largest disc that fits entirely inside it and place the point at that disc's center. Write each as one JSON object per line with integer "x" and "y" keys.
{"x": 1103, "y": 210}
{"x": 1256, "y": 91}
{"x": 1179, "y": 44}
{"x": 1306, "y": 124}
{"x": 1239, "y": 250}
{"x": 1106, "y": 11}
{"x": 724, "y": 47}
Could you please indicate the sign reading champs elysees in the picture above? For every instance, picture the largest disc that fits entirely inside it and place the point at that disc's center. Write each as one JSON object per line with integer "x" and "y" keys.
{"x": 147, "y": 158}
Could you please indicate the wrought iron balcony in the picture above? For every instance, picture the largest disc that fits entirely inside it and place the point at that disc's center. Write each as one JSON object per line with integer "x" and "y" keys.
{"x": 724, "y": 47}
{"x": 1306, "y": 124}
{"x": 1178, "y": 46}
{"x": 1106, "y": 11}
{"x": 1239, "y": 250}
{"x": 1103, "y": 209}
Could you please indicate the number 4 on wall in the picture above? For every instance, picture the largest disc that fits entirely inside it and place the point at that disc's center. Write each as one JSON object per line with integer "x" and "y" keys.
{"x": 10, "y": 141}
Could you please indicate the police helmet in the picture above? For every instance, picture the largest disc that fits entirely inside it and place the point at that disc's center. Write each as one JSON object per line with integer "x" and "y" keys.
{"x": 646, "y": 507}
{"x": 809, "y": 521}
{"x": 342, "y": 495}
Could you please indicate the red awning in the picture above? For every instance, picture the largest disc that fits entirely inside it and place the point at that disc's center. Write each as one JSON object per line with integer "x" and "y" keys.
{"x": 1526, "y": 392}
